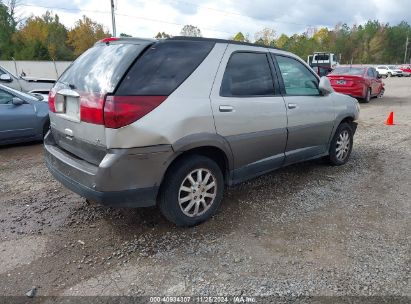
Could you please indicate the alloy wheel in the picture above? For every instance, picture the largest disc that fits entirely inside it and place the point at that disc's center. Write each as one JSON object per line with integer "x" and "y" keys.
{"x": 197, "y": 192}
{"x": 343, "y": 145}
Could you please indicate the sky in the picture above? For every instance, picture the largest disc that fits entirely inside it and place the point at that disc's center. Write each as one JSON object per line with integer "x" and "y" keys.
{"x": 221, "y": 18}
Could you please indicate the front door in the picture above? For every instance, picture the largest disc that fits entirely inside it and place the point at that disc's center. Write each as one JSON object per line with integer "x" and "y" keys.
{"x": 16, "y": 121}
{"x": 249, "y": 110}
{"x": 310, "y": 114}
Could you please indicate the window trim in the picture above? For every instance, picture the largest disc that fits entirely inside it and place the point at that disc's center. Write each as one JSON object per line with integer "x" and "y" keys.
{"x": 272, "y": 73}
{"x": 280, "y": 76}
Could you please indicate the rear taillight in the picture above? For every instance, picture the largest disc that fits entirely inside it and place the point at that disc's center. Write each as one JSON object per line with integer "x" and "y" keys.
{"x": 52, "y": 96}
{"x": 120, "y": 111}
{"x": 91, "y": 108}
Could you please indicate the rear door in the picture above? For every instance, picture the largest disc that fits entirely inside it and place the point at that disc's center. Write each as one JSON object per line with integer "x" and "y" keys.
{"x": 249, "y": 110}
{"x": 16, "y": 121}
{"x": 310, "y": 115}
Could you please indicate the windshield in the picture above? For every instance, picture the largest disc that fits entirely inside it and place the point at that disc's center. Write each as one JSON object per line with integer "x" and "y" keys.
{"x": 348, "y": 71}
{"x": 101, "y": 67}
{"x": 26, "y": 96}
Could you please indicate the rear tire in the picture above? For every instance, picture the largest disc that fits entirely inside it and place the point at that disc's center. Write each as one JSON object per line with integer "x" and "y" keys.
{"x": 381, "y": 94}
{"x": 389, "y": 75}
{"x": 341, "y": 145}
{"x": 367, "y": 97}
{"x": 192, "y": 191}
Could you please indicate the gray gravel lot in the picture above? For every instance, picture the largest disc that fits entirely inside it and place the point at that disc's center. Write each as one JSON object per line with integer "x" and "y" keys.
{"x": 309, "y": 229}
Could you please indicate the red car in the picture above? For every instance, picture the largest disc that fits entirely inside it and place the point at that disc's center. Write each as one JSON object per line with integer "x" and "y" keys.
{"x": 358, "y": 82}
{"x": 405, "y": 68}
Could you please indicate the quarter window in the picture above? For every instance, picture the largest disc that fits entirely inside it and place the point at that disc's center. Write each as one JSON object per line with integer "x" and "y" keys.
{"x": 247, "y": 74}
{"x": 5, "y": 98}
{"x": 298, "y": 80}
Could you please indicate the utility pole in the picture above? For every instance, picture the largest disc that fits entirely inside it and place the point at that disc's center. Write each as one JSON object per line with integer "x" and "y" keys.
{"x": 406, "y": 48}
{"x": 113, "y": 18}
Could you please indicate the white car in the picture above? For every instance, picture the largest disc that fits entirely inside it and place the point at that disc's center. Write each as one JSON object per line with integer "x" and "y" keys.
{"x": 389, "y": 71}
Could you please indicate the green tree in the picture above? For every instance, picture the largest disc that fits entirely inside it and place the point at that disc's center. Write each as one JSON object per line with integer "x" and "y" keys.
{"x": 265, "y": 37}
{"x": 162, "y": 35}
{"x": 85, "y": 34}
{"x": 240, "y": 37}
{"x": 42, "y": 38}
{"x": 7, "y": 29}
{"x": 190, "y": 31}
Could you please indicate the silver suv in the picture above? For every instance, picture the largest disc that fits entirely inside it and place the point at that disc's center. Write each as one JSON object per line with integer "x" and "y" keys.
{"x": 138, "y": 123}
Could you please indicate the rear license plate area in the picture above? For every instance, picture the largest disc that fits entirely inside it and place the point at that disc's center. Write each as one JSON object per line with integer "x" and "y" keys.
{"x": 341, "y": 82}
{"x": 68, "y": 106}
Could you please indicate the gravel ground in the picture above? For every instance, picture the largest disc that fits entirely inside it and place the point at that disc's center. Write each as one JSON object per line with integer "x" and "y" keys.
{"x": 305, "y": 230}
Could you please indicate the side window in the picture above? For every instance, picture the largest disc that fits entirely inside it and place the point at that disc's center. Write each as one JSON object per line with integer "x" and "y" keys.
{"x": 5, "y": 98}
{"x": 370, "y": 73}
{"x": 247, "y": 74}
{"x": 298, "y": 80}
{"x": 164, "y": 67}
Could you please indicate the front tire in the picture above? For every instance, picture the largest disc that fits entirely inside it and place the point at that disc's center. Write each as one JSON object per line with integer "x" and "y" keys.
{"x": 341, "y": 145}
{"x": 192, "y": 191}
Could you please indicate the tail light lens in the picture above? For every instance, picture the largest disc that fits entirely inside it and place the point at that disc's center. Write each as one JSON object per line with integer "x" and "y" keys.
{"x": 91, "y": 108}
{"x": 52, "y": 96}
{"x": 120, "y": 111}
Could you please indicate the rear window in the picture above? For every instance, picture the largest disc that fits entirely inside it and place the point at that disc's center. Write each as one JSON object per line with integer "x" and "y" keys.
{"x": 348, "y": 71}
{"x": 101, "y": 67}
{"x": 322, "y": 57}
{"x": 163, "y": 67}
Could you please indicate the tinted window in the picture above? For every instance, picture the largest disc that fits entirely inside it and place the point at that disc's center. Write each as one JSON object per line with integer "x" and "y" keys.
{"x": 163, "y": 67}
{"x": 298, "y": 80}
{"x": 247, "y": 74}
{"x": 370, "y": 73}
{"x": 100, "y": 68}
{"x": 348, "y": 71}
{"x": 5, "y": 98}
{"x": 322, "y": 57}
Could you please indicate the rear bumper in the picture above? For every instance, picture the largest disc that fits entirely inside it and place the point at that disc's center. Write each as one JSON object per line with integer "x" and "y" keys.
{"x": 124, "y": 178}
{"x": 357, "y": 92}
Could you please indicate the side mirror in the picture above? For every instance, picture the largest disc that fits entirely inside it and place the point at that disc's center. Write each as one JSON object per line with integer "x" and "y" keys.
{"x": 38, "y": 96}
{"x": 325, "y": 86}
{"x": 5, "y": 78}
{"x": 17, "y": 101}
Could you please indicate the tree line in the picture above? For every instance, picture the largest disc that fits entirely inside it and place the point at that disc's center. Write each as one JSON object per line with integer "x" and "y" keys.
{"x": 46, "y": 38}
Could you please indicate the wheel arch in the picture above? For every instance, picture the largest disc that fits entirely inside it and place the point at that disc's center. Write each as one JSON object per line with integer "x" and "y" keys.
{"x": 213, "y": 146}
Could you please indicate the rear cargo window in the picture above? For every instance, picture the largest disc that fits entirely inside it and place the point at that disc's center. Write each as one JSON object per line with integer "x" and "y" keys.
{"x": 164, "y": 67}
{"x": 101, "y": 67}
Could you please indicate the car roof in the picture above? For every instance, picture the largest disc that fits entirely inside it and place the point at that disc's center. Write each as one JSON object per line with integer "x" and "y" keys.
{"x": 183, "y": 38}
{"x": 217, "y": 40}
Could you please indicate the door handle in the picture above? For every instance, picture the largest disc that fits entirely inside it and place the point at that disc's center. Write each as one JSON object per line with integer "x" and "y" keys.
{"x": 292, "y": 105}
{"x": 226, "y": 109}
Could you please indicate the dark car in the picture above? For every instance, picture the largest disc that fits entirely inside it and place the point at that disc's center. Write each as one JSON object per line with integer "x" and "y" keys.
{"x": 358, "y": 82}
{"x": 23, "y": 117}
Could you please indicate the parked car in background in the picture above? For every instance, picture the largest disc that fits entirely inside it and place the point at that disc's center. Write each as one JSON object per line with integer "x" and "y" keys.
{"x": 406, "y": 70}
{"x": 173, "y": 121}
{"x": 23, "y": 116}
{"x": 389, "y": 71}
{"x": 358, "y": 82}
{"x": 25, "y": 84}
